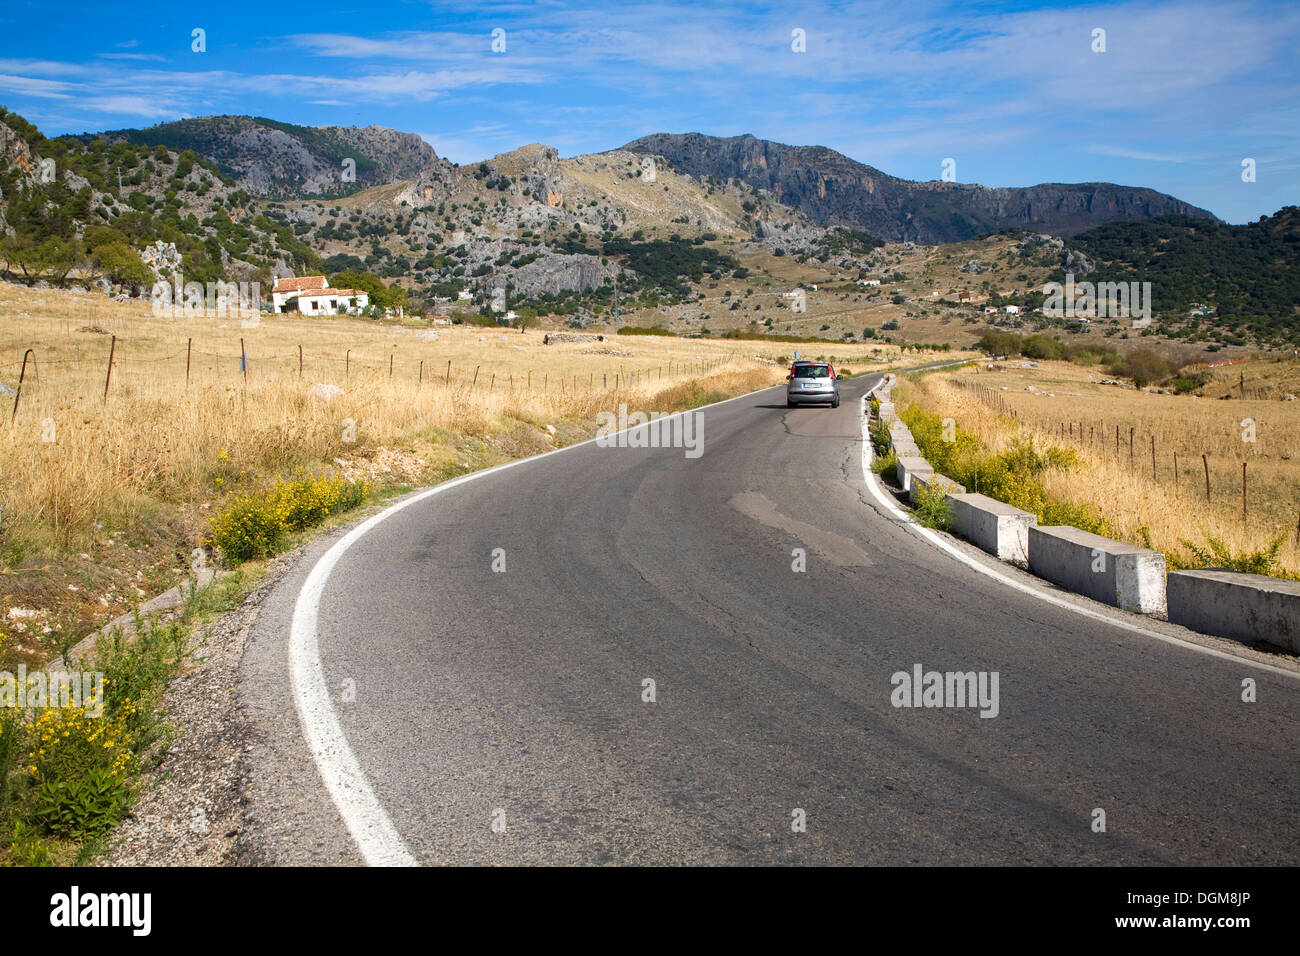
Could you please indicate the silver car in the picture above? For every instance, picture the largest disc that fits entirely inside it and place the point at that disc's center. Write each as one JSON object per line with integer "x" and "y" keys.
{"x": 813, "y": 383}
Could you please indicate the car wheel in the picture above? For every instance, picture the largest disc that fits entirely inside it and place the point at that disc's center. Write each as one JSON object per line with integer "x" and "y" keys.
{"x": 835, "y": 404}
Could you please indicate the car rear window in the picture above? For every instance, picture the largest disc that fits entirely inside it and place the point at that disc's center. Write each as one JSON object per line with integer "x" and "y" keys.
{"x": 812, "y": 371}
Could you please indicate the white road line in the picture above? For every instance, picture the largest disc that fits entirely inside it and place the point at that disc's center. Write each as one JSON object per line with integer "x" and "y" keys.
{"x": 889, "y": 504}
{"x": 364, "y": 815}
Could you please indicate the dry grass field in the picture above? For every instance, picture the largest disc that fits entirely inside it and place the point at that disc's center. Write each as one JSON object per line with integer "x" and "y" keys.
{"x": 104, "y": 497}
{"x": 1065, "y": 404}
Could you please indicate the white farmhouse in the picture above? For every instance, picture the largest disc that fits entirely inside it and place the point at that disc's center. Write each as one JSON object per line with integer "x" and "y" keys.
{"x": 311, "y": 295}
{"x": 285, "y": 293}
{"x": 1012, "y": 309}
{"x": 333, "y": 301}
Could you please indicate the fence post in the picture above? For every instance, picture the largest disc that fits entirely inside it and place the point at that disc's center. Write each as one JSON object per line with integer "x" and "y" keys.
{"x": 243, "y": 360}
{"x": 19, "y": 394}
{"x": 112, "y": 349}
{"x": 189, "y": 346}
{"x": 1207, "y": 477}
{"x": 300, "y": 361}
{"x": 1243, "y": 490}
{"x": 347, "y": 364}
{"x": 1153, "y": 458}
{"x": 448, "y": 382}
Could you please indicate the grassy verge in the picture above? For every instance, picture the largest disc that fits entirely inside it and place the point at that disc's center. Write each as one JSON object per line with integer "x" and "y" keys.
{"x": 1034, "y": 473}
{"x": 1014, "y": 475}
{"x": 69, "y": 774}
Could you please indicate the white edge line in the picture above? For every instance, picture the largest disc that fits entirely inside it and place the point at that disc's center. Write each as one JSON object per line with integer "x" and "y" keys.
{"x": 369, "y": 824}
{"x": 869, "y": 478}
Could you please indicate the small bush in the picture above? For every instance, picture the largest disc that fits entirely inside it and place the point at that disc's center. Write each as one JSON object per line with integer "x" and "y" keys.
{"x": 645, "y": 330}
{"x": 880, "y": 436}
{"x": 248, "y": 527}
{"x": 1143, "y": 366}
{"x": 257, "y": 525}
{"x": 81, "y": 807}
{"x": 931, "y": 509}
{"x": 1214, "y": 553}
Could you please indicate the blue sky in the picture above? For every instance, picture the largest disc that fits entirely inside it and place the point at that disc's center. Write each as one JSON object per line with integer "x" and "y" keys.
{"x": 1012, "y": 91}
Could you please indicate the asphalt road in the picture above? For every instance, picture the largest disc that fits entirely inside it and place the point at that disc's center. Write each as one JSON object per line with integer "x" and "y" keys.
{"x": 471, "y": 696}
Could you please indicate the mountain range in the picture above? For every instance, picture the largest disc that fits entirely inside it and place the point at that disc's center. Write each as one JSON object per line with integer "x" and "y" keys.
{"x": 686, "y": 232}
{"x": 278, "y": 160}
{"x": 834, "y": 190}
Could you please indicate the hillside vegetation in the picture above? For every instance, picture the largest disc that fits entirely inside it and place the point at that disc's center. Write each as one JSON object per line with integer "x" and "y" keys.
{"x": 1247, "y": 276}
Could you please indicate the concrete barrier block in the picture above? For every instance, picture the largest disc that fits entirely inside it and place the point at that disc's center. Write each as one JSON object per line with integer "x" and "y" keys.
{"x": 1115, "y": 573}
{"x": 920, "y": 481}
{"x": 992, "y": 526}
{"x": 907, "y": 449}
{"x": 909, "y": 465}
{"x": 1243, "y": 607}
{"x": 887, "y": 412}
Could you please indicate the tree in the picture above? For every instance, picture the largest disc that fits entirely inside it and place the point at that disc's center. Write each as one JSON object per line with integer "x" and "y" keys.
{"x": 121, "y": 265}
{"x": 526, "y": 318}
{"x": 96, "y": 236}
{"x": 52, "y": 259}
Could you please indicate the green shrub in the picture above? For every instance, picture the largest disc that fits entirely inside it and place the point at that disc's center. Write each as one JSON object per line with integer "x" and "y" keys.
{"x": 880, "y": 438}
{"x": 83, "y": 806}
{"x": 257, "y": 525}
{"x": 10, "y": 752}
{"x": 886, "y": 464}
{"x": 249, "y": 526}
{"x": 1214, "y": 553}
{"x": 643, "y": 330}
{"x": 931, "y": 508}
{"x": 26, "y": 847}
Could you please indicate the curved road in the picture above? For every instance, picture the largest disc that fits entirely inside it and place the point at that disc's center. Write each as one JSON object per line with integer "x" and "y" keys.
{"x": 470, "y": 695}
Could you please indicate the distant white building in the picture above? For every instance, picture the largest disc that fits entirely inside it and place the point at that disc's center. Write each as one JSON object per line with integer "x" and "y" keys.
{"x": 311, "y": 295}
{"x": 868, "y": 282}
{"x": 285, "y": 293}
{"x": 333, "y": 301}
{"x": 1012, "y": 309}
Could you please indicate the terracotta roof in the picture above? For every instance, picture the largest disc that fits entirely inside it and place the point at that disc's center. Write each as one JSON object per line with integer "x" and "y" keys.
{"x": 290, "y": 284}
{"x": 346, "y": 292}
